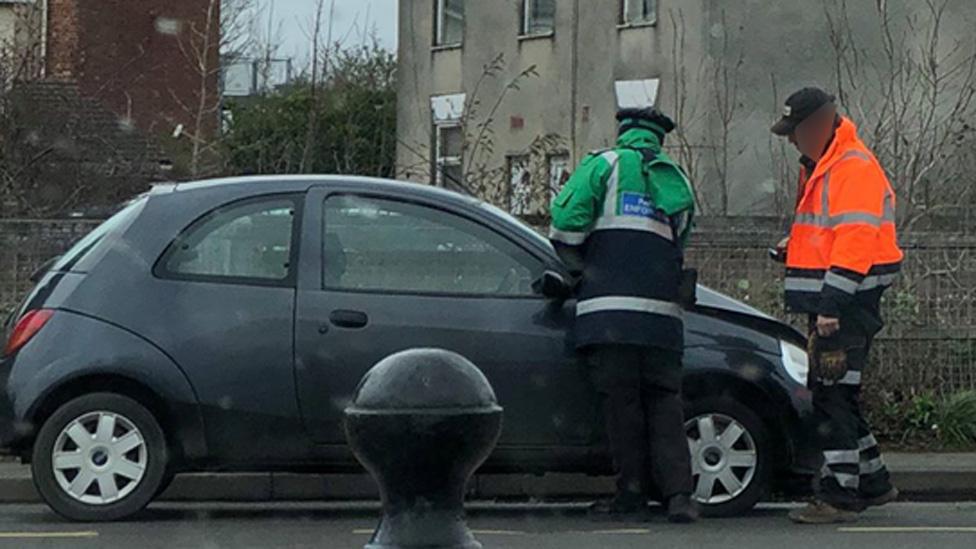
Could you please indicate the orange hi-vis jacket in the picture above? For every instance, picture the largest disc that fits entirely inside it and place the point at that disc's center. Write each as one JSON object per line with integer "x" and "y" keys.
{"x": 843, "y": 250}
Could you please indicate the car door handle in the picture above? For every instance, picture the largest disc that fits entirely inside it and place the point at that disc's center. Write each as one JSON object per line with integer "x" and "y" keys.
{"x": 348, "y": 319}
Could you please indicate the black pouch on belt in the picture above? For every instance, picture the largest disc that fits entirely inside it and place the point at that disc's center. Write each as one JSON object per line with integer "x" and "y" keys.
{"x": 688, "y": 288}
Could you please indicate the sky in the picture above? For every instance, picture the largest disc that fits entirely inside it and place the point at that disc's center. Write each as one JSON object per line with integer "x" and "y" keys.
{"x": 294, "y": 20}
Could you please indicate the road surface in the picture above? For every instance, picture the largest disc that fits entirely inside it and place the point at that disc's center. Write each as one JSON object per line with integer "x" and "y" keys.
{"x": 239, "y": 526}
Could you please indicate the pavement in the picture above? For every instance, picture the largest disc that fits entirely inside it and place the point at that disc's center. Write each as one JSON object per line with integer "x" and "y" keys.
{"x": 920, "y": 477}
{"x": 349, "y": 525}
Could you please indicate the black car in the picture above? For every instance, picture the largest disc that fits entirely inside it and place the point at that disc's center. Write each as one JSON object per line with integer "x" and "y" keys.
{"x": 224, "y": 325}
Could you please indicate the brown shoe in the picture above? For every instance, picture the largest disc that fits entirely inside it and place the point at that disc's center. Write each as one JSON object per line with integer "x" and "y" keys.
{"x": 890, "y": 496}
{"x": 822, "y": 513}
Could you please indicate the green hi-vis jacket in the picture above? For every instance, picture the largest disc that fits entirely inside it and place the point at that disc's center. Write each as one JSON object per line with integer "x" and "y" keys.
{"x": 621, "y": 223}
{"x": 661, "y": 184}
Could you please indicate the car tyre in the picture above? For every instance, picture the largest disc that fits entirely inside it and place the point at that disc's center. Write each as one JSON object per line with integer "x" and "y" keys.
{"x": 737, "y": 482}
{"x": 164, "y": 485}
{"x": 113, "y": 440}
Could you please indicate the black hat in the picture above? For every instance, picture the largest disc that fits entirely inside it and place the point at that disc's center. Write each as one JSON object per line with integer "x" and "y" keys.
{"x": 799, "y": 107}
{"x": 648, "y": 118}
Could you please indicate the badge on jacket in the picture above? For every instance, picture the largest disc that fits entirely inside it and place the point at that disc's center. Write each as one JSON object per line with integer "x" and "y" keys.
{"x": 637, "y": 204}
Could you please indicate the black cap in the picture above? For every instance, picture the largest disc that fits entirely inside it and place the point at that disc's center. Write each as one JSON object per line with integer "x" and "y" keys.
{"x": 799, "y": 107}
{"x": 648, "y": 118}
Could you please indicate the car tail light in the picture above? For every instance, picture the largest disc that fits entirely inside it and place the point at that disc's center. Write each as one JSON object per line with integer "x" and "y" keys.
{"x": 26, "y": 328}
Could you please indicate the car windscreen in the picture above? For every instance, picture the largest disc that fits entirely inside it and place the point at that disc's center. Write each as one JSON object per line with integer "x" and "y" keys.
{"x": 100, "y": 238}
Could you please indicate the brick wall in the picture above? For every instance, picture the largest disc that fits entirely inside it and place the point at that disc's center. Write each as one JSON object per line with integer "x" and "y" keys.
{"x": 62, "y": 44}
{"x": 138, "y": 56}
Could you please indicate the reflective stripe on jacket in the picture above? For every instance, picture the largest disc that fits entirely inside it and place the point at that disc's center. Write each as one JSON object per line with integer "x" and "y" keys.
{"x": 607, "y": 227}
{"x": 843, "y": 246}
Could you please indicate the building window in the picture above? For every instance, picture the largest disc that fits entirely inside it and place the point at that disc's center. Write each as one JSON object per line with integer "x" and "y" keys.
{"x": 450, "y": 22}
{"x": 558, "y": 173}
{"x": 447, "y": 112}
{"x": 636, "y": 94}
{"x": 538, "y": 17}
{"x": 450, "y": 149}
{"x": 638, "y": 12}
{"x": 520, "y": 185}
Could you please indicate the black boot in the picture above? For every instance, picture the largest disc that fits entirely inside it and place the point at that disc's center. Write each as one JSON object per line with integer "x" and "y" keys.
{"x": 682, "y": 510}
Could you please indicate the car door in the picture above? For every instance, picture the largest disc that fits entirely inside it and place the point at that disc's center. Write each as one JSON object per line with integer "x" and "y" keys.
{"x": 222, "y": 305}
{"x": 396, "y": 272}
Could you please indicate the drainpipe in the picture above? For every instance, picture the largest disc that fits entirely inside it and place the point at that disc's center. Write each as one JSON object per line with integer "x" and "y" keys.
{"x": 574, "y": 83}
{"x": 44, "y": 16}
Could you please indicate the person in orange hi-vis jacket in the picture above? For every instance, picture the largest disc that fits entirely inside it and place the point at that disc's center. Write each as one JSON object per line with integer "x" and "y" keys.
{"x": 841, "y": 255}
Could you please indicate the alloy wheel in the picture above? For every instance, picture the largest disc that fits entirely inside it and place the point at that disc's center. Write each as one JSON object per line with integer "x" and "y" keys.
{"x": 723, "y": 457}
{"x": 99, "y": 458}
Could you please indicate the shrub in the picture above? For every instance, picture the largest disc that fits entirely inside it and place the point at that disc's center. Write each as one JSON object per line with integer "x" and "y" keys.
{"x": 955, "y": 419}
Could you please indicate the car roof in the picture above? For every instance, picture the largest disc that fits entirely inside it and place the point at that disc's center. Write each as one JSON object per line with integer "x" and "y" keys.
{"x": 294, "y": 183}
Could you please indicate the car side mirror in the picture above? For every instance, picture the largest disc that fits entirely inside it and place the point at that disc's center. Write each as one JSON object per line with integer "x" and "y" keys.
{"x": 552, "y": 285}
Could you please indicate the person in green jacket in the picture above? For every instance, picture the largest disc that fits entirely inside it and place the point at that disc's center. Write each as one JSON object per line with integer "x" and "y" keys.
{"x": 620, "y": 224}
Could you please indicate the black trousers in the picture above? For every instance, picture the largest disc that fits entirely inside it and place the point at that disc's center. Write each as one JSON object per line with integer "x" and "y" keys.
{"x": 853, "y": 468}
{"x": 640, "y": 390}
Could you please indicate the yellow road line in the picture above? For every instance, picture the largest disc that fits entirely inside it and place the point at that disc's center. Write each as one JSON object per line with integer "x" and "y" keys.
{"x": 47, "y": 535}
{"x": 621, "y": 531}
{"x": 909, "y": 530}
{"x": 617, "y": 532}
{"x": 366, "y": 532}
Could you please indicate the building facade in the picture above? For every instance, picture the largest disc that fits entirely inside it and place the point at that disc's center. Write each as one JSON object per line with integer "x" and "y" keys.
{"x": 502, "y": 97}
{"x": 110, "y": 94}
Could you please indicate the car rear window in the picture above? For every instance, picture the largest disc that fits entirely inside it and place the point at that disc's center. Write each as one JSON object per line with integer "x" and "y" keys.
{"x": 79, "y": 257}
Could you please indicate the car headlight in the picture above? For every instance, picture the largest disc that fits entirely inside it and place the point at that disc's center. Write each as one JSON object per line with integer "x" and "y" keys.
{"x": 795, "y": 361}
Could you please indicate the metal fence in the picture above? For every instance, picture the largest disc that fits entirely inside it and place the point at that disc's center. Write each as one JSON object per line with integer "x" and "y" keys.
{"x": 25, "y": 244}
{"x": 929, "y": 343}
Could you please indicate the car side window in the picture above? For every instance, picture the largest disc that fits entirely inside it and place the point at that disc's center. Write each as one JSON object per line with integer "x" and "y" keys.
{"x": 374, "y": 244}
{"x": 242, "y": 241}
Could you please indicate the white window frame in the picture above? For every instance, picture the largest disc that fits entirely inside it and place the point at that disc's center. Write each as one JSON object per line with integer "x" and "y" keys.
{"x": 439, "y": 27}
{"x": 526, "y": 18}
{"x": 643, "y": 20}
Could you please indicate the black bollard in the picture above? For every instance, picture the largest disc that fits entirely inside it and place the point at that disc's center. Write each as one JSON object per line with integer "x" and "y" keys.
{"x": 421, "y": 422}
